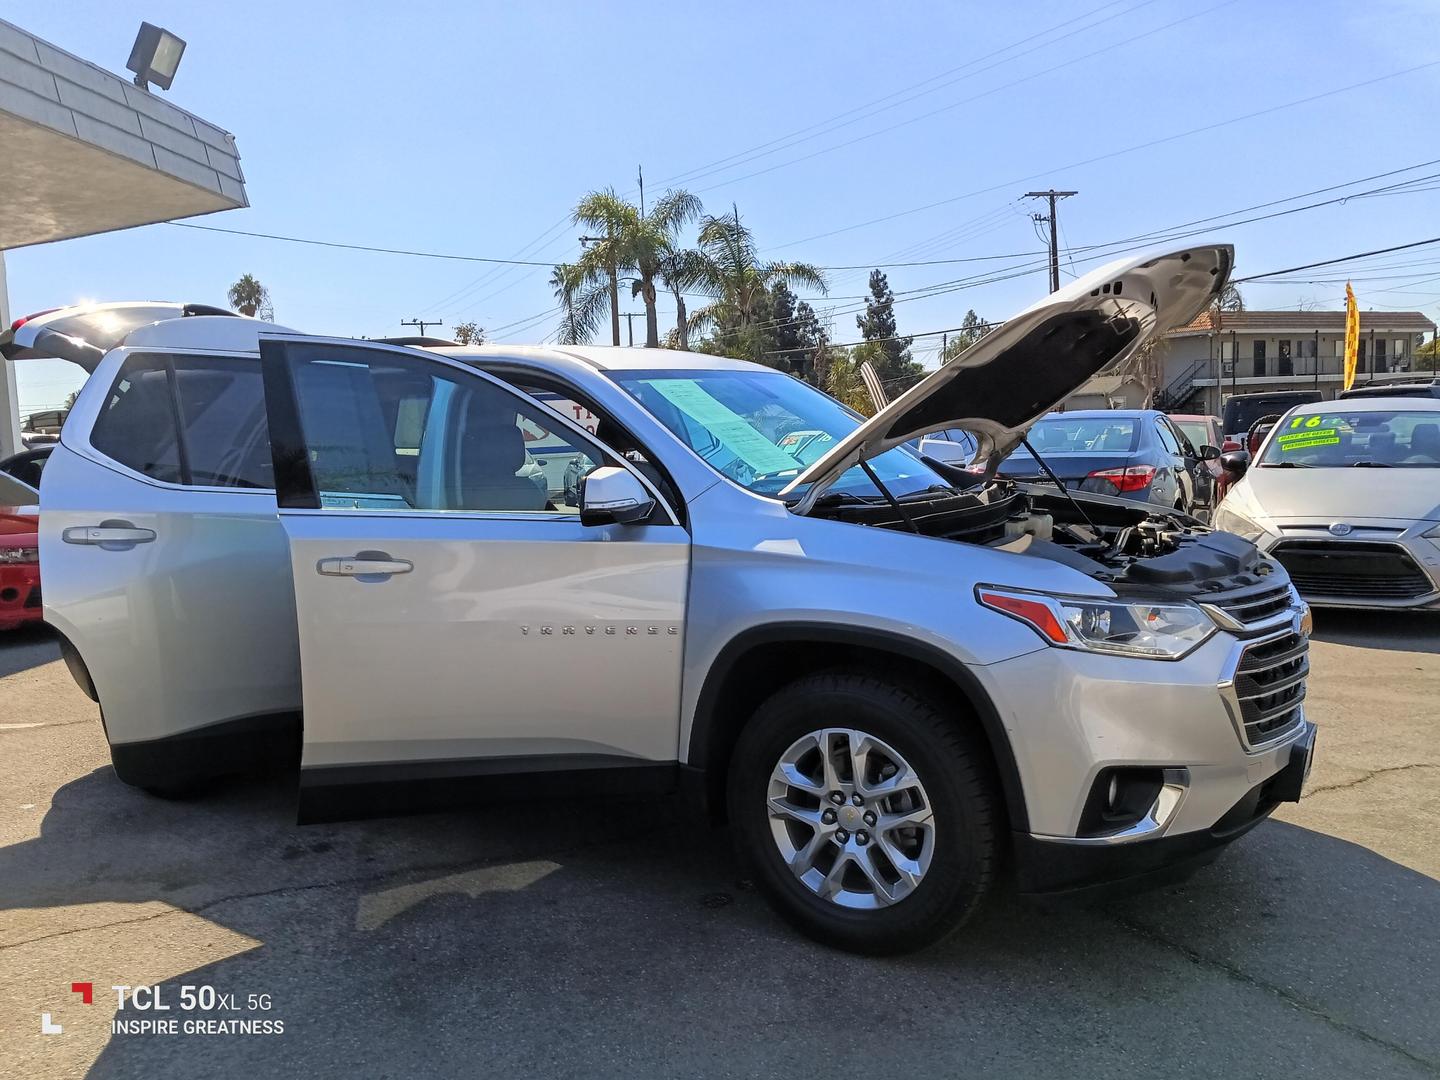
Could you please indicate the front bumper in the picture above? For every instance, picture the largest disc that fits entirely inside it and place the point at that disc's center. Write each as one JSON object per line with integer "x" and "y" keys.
{"x": 1049, "y": 866}
{"x": 1307, "y": 546}
{"x": 19, "y": 594}
{"x": 1071, "y": 716}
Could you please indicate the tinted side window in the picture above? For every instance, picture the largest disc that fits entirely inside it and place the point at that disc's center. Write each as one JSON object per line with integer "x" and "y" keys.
{"x": 219, "y": 438}
{"x": 222, "y": 410}
{"x": 136, "y": 426}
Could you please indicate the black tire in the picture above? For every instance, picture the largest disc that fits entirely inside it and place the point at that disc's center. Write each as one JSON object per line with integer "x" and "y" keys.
{"x": 955, "y": 769}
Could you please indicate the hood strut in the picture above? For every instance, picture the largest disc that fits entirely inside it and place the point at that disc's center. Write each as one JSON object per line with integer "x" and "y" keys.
{"x": 1025, "y": 442}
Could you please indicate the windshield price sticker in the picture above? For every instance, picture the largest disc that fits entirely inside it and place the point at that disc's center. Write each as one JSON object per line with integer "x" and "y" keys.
{"x": 729, "y": 427}
{"x": 1305, "y": 432}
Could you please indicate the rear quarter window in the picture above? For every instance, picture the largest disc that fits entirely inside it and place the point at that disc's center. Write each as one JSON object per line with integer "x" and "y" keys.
{"x": 197, "y": 421}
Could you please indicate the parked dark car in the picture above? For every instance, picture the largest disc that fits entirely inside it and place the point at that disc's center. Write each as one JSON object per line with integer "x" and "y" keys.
{"x": 1243, "y": 411}
{"x": 1129, "y": 453}
{"x": 1429, "y": 389}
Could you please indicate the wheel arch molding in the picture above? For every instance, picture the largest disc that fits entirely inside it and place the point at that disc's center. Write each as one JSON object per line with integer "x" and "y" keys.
{"x": 758, "y": 661}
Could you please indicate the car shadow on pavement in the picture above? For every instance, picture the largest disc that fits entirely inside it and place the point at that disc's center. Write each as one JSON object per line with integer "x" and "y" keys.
{"x": 614, "y": 938}
{"x": 26, "y": 646}
{"x": 1402, "y": 631}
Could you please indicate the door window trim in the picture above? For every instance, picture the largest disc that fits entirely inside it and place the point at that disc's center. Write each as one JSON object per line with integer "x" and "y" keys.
{"x": 295, "y": 488}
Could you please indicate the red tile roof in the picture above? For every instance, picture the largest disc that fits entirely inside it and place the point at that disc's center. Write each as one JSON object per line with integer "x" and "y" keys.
{"x": 1252, "y": 322}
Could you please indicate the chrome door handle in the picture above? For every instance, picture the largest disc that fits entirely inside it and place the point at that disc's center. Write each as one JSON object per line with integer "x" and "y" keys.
{"x": 121, "y": 535}
{"x": 363, "y": 565}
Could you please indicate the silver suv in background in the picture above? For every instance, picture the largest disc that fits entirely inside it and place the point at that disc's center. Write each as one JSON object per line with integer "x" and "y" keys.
{"x": 893, "y": 676}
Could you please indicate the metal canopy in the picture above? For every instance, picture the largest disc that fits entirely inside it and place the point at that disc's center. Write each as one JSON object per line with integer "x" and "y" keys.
{"x": 85, "y": 151}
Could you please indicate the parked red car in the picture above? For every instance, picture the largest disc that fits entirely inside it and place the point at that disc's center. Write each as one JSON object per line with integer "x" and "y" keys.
{"x": 19, "y": 566}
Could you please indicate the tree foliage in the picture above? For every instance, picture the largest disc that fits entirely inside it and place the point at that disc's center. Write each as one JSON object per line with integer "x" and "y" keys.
{"x": 739, "y": 284}
{"x": 626, "y": 242}
{"x": 891, "y": 359}
{"x": 468, "y": 333}
{"x": 249, "y": 297}
{"x": 972, "y": 329}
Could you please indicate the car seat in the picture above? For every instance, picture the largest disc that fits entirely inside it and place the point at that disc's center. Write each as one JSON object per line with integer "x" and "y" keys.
{"x": 491, "y": 455}
{"x": 1425, "y": 442}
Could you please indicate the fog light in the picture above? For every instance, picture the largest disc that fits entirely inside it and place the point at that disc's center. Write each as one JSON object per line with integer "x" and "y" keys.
{"x": 1112, "y": 794}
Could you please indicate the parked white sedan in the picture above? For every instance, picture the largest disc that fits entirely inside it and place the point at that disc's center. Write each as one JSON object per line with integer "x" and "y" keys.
{"x": 1346, "y": 494}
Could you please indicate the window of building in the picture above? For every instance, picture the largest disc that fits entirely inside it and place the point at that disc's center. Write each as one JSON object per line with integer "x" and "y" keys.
{"x": 1282, "y": 358}
{"x": 1258, "y": 355}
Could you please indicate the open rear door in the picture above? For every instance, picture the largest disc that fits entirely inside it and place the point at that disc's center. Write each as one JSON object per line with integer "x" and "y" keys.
{"x": 457, "y": 620}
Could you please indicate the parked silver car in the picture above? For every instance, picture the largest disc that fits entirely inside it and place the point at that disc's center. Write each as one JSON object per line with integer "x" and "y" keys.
{"x": 894, "y": 678}
{"x": 1346, "y": 494}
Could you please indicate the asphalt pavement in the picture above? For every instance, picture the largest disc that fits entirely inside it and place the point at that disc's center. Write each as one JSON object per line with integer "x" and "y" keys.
{"x": 614, "y": 939}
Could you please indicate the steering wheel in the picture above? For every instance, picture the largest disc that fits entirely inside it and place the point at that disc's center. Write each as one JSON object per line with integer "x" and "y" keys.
{"x": 1268, "y": 421}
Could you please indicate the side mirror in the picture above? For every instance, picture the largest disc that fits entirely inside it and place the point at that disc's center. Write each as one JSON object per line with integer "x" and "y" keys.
{"x": 610, "y": 495}
{"x": 1209, "y": 453}
{"x": 947, "y": 451}
{"x": 1235, "y": 463}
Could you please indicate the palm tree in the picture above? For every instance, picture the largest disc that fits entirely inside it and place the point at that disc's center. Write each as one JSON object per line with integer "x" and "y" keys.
{"x": 581, "y": 302}
{"x": 634, "y": 241}
{"x": 730, "y": 272}
{"x": 681, "y": 271}
{"x": 249, "y": 297}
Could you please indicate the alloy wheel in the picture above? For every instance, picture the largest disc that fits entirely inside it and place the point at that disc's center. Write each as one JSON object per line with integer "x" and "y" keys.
{"x": 851, "y": 818}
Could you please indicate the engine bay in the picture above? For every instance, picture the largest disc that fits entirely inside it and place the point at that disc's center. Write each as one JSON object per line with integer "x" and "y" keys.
{"x": 1111, "y": 540}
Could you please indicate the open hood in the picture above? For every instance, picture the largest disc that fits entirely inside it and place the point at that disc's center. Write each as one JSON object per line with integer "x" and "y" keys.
{"x": 1019, "y": 372}
{"x": 84, "y": 333}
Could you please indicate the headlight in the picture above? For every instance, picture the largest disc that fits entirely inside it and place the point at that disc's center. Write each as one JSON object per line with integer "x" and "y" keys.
{"x": 19, "y": 554}
{"x": 1227, "y": 520}
{"x": 1155, "y": 631}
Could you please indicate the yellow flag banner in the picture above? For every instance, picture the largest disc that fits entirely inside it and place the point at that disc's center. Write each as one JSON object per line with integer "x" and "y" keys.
{"x": 1352, "y": 336}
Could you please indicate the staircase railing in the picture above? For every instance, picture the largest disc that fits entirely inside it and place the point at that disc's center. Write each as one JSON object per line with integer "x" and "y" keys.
{"x": 1181, "y": 386}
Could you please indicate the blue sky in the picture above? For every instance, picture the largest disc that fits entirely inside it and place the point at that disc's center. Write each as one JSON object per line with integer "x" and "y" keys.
{"x": 473, "y": 128}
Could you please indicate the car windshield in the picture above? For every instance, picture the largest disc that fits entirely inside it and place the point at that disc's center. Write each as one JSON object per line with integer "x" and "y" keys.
{"x": 1085, "y": 435}
{"x": 1337, "y": 438}
{"x": 1197, "y": 431}
{"x": 761, "y": 428}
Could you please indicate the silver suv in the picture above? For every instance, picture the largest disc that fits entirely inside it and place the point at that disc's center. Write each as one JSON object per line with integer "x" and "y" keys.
{"x": 892, "y": 675}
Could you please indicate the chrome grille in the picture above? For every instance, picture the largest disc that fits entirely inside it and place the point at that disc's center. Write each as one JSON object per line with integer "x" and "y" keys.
{"x": 1269, "y": 686}
{"x": 1253, "y": 603}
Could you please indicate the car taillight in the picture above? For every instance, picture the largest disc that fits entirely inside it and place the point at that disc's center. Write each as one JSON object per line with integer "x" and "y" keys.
{"x": 1130, "y": 478}
{"x": 33, "y": 315}
{"x": 19, "y": 555}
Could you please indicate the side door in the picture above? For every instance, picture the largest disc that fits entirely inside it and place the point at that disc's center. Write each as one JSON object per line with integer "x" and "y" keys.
{"x": 456, "y": 619}
{"x": 164, "y": 567}
{"x": 1177, "y": 483}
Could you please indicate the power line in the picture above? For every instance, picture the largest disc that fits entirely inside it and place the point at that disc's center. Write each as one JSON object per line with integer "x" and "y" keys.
{"x": 1332, "y": 262}
{"x": 966, "y": 101}
{"x": 1114, "y": 153}
{"x": 354, "y": 247}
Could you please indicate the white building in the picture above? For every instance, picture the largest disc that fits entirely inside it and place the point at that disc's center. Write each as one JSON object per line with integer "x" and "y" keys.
{"x": 87, "y": 151}
{"x": 1222, "y": 353}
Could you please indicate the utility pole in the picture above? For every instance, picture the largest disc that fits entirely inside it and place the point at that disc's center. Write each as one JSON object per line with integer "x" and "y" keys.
{"x": 640, "y": 175}
{"x": 614, "y": 271}
{"x": 630, "y": 317}
{"x": 1052, "y": 195}
{"x": 421, "y": 324}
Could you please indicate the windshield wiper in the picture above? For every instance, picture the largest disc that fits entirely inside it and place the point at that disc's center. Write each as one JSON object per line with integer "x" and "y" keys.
{"x": 1286, "y": 465}
{"x": 1371, "y": 465}
{"x": 1025, "y": 442}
